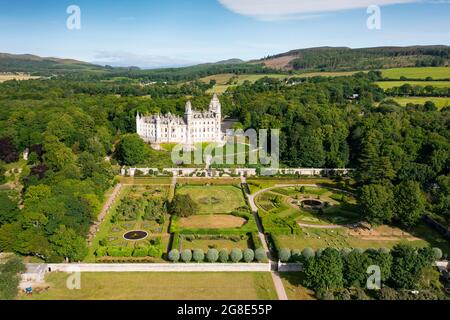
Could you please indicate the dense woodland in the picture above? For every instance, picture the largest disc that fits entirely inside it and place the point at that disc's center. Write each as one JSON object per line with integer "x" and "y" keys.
{"x": 71, "y": 124}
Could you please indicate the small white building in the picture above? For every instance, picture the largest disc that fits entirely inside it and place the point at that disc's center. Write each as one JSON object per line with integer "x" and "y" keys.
{"x": 194, "y": 127}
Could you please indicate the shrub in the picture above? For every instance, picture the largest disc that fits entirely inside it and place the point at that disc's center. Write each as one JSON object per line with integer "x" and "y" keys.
{"x": 308, "y": 253}
{"x": 154, "y": 251}
{"x": 212, "y": 255}
{"x": 236, "y": 255}
{"x": 249, "y": 255}
{"x": 260, "y": 254}
{"x": 198, "y": 255}
{"x": 384, "y": 250}
{"x": 437, "y": 253}
{"x": 186, "y": 255}
{"x": 345, "y": 251}
{"x": 319, "y": 252}
{"x": 358, "y": 250}
{"x": 101, "y": 251}
{"x": 140, "y": 252}
{"x": 296, "y": 255}
{"x": 174, "y": 255}
{"x": 284, "y": 254}
{"x": 223, "y": 256}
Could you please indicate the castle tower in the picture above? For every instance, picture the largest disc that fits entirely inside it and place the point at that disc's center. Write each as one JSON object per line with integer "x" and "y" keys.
{"x": 188, "y": 115}
{"x": 216, "y": 107}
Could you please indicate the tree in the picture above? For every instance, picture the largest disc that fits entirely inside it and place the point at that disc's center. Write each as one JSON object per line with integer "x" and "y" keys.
{"x": 324, "y": 271}
{"x": 308, "y": 253}
{"x": 212, "y": 255}
{"x": 260, "y": 254}
{"x": 182, "y": 205}
{"x": 284, "y": 254}
{"x": 198, "y": 255}
{"x": 409, "y": 203}
{"x": 355, "y": 269}
{"x": 57, "y": 155}
{"x": 249, "y": 255}
{"x": 406, "y": 267}
{"x": 223, "y": 255}
{"x": 67, "y": 244}
{"x": 2, "y": 174}
{"x": 9, "y": 277}
{"x": 174, "y": 255}
{"x": 8, "y": 209}
{"x": 376, "y": 203}
{"x": 8, "y": 151}
{"x": 186, "y": 255}
{"x": 132, "y": 150}
{"x": 236, "y": 255}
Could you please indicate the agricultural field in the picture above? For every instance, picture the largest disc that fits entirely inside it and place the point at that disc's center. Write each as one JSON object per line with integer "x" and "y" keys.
{"x": 139, "y": 209}
{"x": 226, "y": 80}
{"x": 439, "y": 102}
{"x": 393, "y": 84}
{"x": 18, "y": 77}
{"x": 161, "y": 286}
{"x": 417, "y": 73}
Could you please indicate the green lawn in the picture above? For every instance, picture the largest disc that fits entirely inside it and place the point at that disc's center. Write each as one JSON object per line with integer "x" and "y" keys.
{"x": 216, "y": 244}
{"x": 292, "y": 282}
{"x": 214, "y": 199}
{"x": 161, "y": 286}
{"x": 417, "y": 73}
{"x": 393, "y": 84}
{"x": 439, "y": 102}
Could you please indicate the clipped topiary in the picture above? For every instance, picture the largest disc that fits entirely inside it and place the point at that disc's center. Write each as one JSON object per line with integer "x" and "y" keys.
{"x": 384, "y": 250}
{"x": 319, "y": 252}
{"x": 186, "y": 255}
{"x": 174, "y": 255}
{"x": 308, "y": 253}
{"x": 284, "y": 254}
{"x": 260, "y": 255}
{"x": 236, "y": 255}
{"x": 223, "y": 255}
{"x": 345, "y": 251}
{"x": 249, "y": 255}
{"x": 437, "y": 253}
{"x": 212, "y": 255}
{"x": 198, "y": 255}
{"x": 358, "y": 250}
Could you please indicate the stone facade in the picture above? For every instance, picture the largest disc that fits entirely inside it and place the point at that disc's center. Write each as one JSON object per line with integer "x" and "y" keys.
{"x": 194, "y": 127}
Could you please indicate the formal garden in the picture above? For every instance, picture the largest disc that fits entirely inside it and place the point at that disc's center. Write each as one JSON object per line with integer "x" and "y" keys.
{"x": 134, "y": 228}
{"x": 299, "y": 218}
{"x": 221, "y": 227}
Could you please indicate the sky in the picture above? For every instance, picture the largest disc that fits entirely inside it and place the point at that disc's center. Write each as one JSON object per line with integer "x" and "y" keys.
{"x": 161, "y": 33}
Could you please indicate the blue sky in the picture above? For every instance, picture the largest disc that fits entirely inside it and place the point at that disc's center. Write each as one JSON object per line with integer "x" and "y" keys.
{"x": 150, "y": 33}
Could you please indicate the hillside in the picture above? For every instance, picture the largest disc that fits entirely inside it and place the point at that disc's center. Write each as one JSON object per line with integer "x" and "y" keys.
{"x": 43, "y": 65}
{"x": 342, "y": 58}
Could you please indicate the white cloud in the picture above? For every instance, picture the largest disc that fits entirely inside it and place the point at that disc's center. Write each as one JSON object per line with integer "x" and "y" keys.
{"x": 299, "y": 9}
{"x": 127, "y": 59}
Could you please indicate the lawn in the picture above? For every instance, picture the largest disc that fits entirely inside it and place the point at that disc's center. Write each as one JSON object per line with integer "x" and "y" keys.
{"x": 214, "y": 199}
{"x": 393, "y": 84}
{"x": 417, "y": 73}
{"x": 292, "y": 282}
{"x": 161, "y": 286}
{"x": 438, "y": 101}
{"x": 218, "y": 244}
{"x": 212, "y": 221}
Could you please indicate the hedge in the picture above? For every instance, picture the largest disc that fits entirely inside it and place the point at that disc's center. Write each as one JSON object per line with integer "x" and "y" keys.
{"x": 186, "y": 255}
{"x": 224, "y": 255}
{"x": 212, "y": 255}
{"x": 249, "y": 255}
{"x": 174, "y": 255}
{"x": 141, "y": 251}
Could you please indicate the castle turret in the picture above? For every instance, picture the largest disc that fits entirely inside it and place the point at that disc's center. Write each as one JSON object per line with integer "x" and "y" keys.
{"x": 214, "y": 105}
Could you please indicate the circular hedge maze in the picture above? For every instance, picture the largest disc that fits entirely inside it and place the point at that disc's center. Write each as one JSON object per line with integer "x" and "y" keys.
{"x": 135, "y": 235}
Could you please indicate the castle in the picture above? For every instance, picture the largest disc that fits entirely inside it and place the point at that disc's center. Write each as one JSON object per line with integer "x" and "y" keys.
{"x": 194, "y": 127}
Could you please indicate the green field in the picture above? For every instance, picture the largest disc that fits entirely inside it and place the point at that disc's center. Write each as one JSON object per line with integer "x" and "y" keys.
{"x": 214, "y": 199}
{"x": 393, "y": 84}
{"x": 439, "y": 102}
{"x": 223, "y": 80}
{"x": 417, "y": 73}
{"x": 161, "y": 286}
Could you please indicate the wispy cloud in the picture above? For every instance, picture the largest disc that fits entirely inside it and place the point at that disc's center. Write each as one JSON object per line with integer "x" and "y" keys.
{"x": 270, "y": 10}
{"x": 127, "y": 59}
